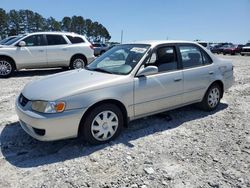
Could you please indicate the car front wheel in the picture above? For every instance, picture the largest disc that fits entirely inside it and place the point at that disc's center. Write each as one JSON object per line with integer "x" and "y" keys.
{"x": 102, "y": 124}
{"x": 6, "y": 68}
{"x": 212, "y": 98}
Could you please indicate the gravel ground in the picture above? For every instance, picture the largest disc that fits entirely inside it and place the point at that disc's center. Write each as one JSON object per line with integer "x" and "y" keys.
{"x": 191, "y": 149}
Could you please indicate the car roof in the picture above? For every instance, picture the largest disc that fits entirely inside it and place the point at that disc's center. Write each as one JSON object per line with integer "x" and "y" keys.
{"x": 159, "y": 42}
{"x": 55, "y": 32}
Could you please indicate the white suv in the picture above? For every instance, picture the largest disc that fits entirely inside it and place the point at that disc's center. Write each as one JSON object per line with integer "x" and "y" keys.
{"x": 45, "y": 49}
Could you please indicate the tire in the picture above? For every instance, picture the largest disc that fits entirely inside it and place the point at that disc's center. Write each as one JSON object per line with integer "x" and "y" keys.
{"x": 212, "y": 98}
{"x": 242, "y": 54}
{"x": 78, "y": 62}
{"x": 7, "y": 67}
{"x": 95, "y": 130}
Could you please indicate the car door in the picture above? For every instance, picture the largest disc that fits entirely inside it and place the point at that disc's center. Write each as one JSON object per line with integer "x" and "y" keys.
{"x": 33, "y": 54}
{"x": 159, "y": 91}
{"x": 197, "y": 72}
{"x": 58, "y": 50}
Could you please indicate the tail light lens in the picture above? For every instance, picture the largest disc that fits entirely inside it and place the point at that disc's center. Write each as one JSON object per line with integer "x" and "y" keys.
{"x": 92, "y": 47}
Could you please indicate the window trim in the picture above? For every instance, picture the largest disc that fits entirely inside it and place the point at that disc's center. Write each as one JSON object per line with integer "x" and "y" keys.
{"x": 202, "y": 51}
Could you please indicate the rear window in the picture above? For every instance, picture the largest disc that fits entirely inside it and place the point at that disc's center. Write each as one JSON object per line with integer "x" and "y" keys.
{"x": 75, "y": 40}
{"x": 55, "y": 40}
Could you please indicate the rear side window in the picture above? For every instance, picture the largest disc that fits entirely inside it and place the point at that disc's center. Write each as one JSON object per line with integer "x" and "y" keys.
{"x": 34, "y": 40}
{"x": 192, "y": 57}
{"x": 55, "y": 40}
{"x": 75, "y": 40}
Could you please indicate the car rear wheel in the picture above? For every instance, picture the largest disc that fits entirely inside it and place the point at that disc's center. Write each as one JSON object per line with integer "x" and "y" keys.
{"x": 6, "y": 68}
{"x": 212, "y": 98}
{"x": 102, "y": 124}
{"x": 78, "y": 62}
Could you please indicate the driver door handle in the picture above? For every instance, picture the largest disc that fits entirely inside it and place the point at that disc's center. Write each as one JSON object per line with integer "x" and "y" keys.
{"x": 177, "y": 79}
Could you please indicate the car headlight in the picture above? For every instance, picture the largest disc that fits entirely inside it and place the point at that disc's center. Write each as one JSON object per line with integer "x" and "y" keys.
{"x": 48, "y": 107}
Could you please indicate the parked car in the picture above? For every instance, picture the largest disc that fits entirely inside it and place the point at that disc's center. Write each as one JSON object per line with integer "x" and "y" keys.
{"x": 98, "y": 101}
{"x": 245, "y": 50}
{"x": 220, "y": 47}
{"x": 45, "y": 49}
{"x": 99, "y": 48}
{"x": 2, "y": 42}
{"x": 204, "y": 44}
{"x": 234, "y": 49}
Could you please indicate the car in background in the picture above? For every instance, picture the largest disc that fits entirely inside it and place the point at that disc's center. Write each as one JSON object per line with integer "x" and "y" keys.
{"x": 45, "y": 50}
{"x": 245, "y": 50}
{"x": 218, "y": 49}
{"x": 232, "y": 50}
{"x": 99, "y": 48}
{"x": 204, "y": 44}
{"x": 2, "y": 42}
{"x": 97, "y": 102}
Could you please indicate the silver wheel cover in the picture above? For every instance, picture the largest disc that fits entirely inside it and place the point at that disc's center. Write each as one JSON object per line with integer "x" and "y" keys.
{"x": 5, "y": 68}
{"x": 78, "y": 63}
{"x": 213, "y": 97}
{"x": 104, "y": 125}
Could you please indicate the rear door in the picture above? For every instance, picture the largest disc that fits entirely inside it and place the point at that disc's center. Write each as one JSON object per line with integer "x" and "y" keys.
{"x": 58, "y": 50}
{"x": 197, "y": 72}
{"x": 33, "y": 55}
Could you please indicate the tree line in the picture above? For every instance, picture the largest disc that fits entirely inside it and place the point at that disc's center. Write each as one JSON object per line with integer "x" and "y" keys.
{"x": 17, "y": 22}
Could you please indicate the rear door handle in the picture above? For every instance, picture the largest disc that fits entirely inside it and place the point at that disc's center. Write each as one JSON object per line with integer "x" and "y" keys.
{"x": 211, "y": 72}
{"x": 177, "y": 79}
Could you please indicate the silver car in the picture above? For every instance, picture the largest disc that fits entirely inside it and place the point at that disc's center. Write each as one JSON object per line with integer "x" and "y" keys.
{"x": 128, "y": 82}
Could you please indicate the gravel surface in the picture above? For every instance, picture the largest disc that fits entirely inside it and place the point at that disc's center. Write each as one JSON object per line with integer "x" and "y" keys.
{"x": 191, "y": 149}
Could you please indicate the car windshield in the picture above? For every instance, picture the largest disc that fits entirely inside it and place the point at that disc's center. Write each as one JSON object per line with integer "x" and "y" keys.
{"x": 248, "y": 44}
{"x": 6, "y": 40}
{"x": 120, "y": 59}
{"x": 12, "y": 41}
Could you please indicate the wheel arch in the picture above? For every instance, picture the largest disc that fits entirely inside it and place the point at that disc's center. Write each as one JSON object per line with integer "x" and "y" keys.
{"x": 220, "y": 83}
{"x": 79, "y": 55}
{"x": 118, "y": 103}
{"x": 11, "y": 59}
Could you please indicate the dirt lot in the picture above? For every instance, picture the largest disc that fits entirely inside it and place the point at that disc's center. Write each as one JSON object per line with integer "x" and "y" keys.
{"x": 194, "y": 149}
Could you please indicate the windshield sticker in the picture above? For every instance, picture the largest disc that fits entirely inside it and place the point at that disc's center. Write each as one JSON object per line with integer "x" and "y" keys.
{"x": 138, "y": 50}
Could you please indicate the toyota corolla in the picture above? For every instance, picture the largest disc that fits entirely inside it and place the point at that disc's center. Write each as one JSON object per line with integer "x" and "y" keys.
{"x": 128, "y": 82}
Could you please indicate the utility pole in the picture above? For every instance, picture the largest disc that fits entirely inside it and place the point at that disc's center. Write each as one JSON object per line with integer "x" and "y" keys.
{"x": 121, "y": 36}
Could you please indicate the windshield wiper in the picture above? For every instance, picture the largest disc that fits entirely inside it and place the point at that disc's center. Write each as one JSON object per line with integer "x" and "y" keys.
{"x": 100, "y": 70}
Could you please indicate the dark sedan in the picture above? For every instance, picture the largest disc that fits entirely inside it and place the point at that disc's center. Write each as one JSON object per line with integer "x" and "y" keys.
{"x": 220, "y": 47}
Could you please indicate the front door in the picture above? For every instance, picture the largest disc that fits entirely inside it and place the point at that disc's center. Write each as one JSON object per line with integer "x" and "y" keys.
{"x": 160, "y": 91}
{"x": 33, "y": 54}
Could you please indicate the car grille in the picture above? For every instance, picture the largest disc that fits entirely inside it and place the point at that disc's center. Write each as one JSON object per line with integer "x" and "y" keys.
{"x": 23, "y": 100}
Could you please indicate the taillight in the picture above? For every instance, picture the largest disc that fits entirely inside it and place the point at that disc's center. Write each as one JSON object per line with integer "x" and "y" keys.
{"x": 92, "y": 47}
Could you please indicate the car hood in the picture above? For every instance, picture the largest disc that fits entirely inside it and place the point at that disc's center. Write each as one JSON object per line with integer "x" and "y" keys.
{"x": 68, "y": 83}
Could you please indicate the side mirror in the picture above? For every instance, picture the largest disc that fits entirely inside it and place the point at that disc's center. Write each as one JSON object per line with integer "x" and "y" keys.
{"x": 149, "y": 70}
{"x": 22, "y": 44}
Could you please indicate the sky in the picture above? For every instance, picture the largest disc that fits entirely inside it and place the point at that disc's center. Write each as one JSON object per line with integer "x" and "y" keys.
{"x": 208, "y": 20}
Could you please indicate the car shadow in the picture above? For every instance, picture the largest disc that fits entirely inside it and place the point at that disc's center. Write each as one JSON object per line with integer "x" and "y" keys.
{"x": 21, "y": 150}
{"x": 37, "y": 72}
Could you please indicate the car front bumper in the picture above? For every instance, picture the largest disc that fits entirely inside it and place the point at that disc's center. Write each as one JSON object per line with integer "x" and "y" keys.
{"x": 49, "y": 127}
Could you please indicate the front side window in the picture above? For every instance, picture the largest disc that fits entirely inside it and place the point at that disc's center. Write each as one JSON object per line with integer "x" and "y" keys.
{"x": 166, "y": 59}
{"x": 34, "y": 40}
{"x": 55, "y": 40}
{"x": 191, "y": 56}
{"x": 120, "y": 59}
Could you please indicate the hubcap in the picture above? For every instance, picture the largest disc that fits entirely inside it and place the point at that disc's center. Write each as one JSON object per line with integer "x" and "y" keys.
{"x": 213, "y": 97}
{"x": 5, "y": 68}
{"x": 104, "y": 125}
{"x": 78, "y": 64}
